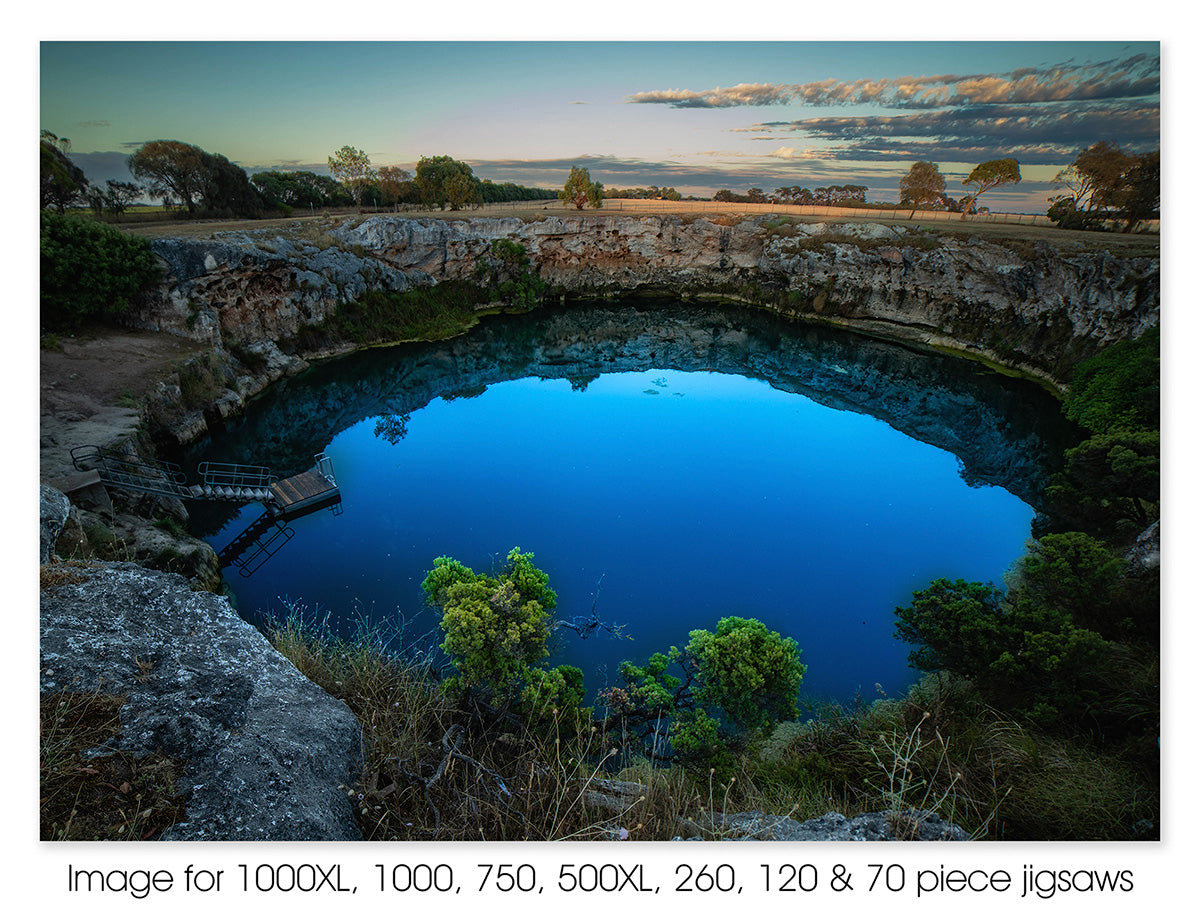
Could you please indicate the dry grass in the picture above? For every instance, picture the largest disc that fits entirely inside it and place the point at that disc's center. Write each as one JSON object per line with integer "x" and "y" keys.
{"x": 438, "y": 768}
{"x": 90, "y": 789}
{"x": 72, "y": 571}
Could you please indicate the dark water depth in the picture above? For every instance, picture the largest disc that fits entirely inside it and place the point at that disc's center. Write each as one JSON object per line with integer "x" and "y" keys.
{"x": 666, "y": 466}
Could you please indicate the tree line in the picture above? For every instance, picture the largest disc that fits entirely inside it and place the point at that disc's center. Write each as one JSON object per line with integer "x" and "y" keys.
{"x": 208, "y": 184}
{"x": 1102, "y": 185}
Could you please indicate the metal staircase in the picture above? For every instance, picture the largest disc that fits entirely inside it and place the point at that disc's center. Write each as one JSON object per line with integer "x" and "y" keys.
{"x": 283, "y": 500}
{"x": 218, "y": 481}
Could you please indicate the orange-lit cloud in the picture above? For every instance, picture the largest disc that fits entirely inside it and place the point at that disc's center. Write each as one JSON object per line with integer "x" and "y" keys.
{"x": 1133, "y": 77}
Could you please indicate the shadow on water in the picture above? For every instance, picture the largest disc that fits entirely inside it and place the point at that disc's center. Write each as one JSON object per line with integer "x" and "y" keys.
{"x": 1005, "y": 431}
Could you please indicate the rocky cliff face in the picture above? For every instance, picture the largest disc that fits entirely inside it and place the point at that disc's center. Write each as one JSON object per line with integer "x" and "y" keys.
{"x": 268, "y": 753}
{"x": 1038, "y": 309}
{"x": 1000, "y": 440}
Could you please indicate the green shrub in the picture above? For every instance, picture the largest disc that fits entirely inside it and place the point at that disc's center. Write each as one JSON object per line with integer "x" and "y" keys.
{"x": 508, "y": 273}
{"x": 90, "y": 270}
{"x": 1118, "y": 389}
{"x": 495, "y": 628}
{"x": 748, "y": 673}
{"x": 421, "y": 314}
{"x": 1025, "y": 656}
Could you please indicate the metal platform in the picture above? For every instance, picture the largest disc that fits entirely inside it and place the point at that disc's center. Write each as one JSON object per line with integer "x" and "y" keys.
{"x": 235, "y": 482}
{"x": 283, "y": 500}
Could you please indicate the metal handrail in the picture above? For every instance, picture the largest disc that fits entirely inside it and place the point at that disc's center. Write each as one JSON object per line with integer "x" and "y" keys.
{"x": 235, "y": 475}
{"x": 122, "y": 469}
{"x": 325, "y": 467}
{"x": 265, "y": 547}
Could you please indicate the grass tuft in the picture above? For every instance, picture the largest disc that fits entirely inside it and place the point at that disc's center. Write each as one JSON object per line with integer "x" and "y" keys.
{"x": 92, "y": 790}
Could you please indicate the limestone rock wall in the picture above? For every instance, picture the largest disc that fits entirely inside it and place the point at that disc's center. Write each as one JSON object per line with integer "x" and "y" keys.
{"x": 1038, "y": 308}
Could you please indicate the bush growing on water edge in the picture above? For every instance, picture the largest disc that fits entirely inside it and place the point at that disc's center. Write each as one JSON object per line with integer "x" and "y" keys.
{"x": 1073, "y": 644}
{"x": 507, "y": 271}
{"x": 1109, "y": 486}
{"x": 90, "y": 271}
{"x": 995, "y": 778}
{"x": 419, "y": 314}
{"x": 506, "y": 723}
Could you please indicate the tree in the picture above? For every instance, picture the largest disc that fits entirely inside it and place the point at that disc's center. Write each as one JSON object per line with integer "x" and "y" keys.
{"x": 1075, "y": 574}
{"x": 119, "y": 195}
{"x": 750, "y": 674}
{"x": 352, "y": 167}
{"x": 1138, "y": 197}
{"x": 738, "y": 680}
{"x": 114, "y": 198}
{"x": 392, "y": 183}
{"x": 1021, "y": 654}
{"x": 1109, "y": 480}
{"x": 172, "y": 169}
{"x": 1093, "y": 176}
{"x": 444, "y": 180}
{"x": 506, "y": 269}
{"x": 300, "y": 189}
{"x": 63, "y": 184}
{"x": 226, "y": 189}
{"x": 459, "y": 189}
{"x": 1117, "y": 389}
{"x": 90, "y": 270}
{"x": 987, "y": 176}
{"x": 580, "y": 190}
{"x": 495, "y": 627}
{"x": 923, "y": 187}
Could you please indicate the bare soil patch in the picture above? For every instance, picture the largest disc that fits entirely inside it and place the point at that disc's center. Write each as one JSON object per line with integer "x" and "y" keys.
{"x": 91, "y": 384}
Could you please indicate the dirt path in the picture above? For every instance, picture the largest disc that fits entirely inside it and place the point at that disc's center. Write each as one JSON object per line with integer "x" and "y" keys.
{"x": 88, "y": 387}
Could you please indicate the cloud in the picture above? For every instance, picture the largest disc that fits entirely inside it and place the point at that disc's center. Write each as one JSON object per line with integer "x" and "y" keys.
{"x": 791, "y": 153}
{"x": 1046, "y": 132}
{"x": 739, "y": 95}
{"x": 1130, "y": 78}
{"x": 731, "y": 170}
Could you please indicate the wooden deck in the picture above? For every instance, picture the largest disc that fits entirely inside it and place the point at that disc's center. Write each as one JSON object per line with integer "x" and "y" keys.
{"x": 307, "y": 491}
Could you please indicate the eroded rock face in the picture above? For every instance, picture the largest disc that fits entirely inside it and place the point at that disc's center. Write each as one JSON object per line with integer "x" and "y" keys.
{"x": 1038, "y": 309}
{"x": 54, "y": 511}
{"x": 268, "y": 752}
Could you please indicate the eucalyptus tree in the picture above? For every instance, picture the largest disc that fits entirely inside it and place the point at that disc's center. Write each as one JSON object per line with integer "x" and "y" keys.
{"x": 172, "y": 169}
{"x": 352, "y": 167}
{"x": 987, "y": 176}
{"x": 580, "y": 190}
{"x": 924, "y": 186}
{"x": 63, "y": 184}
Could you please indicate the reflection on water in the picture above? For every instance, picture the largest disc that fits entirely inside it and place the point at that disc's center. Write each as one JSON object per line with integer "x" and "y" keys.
{"x": 689, "y": 463}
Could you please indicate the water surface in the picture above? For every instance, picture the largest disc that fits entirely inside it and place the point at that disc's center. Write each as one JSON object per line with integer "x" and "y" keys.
{"x": 667, "y": 468}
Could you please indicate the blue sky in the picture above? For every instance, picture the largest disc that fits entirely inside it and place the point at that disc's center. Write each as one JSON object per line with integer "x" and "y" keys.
{"x": 698, "y": 116}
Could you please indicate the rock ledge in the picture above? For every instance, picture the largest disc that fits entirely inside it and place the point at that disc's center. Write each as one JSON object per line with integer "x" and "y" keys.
{"x": 269, "y": 754}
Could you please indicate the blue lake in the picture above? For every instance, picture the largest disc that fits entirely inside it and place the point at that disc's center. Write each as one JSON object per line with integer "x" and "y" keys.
{"x": 666, "y": 467}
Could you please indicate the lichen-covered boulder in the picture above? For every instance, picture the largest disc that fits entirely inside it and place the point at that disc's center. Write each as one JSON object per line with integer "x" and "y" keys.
{"x": 269, "y": 754}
